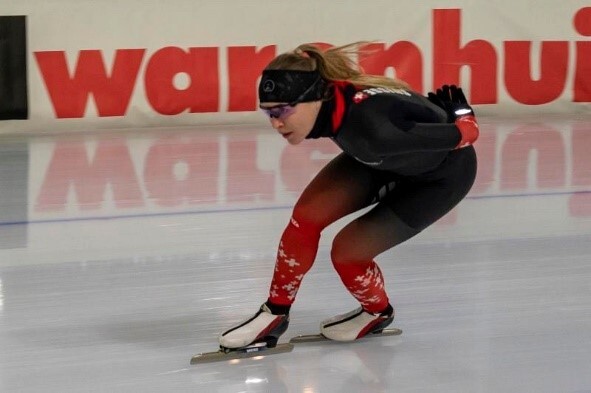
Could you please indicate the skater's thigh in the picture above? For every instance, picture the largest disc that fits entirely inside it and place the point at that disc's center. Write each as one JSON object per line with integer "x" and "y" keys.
{"x": 342, "y": 187}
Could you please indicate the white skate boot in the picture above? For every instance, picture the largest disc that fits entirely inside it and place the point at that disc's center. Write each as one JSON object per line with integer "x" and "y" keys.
{"x": 356, "y": 324}
{"x": 262, "y": 327}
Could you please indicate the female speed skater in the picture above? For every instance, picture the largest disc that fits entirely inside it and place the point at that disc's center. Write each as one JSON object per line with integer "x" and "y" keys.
{"x": 409, "y": 156}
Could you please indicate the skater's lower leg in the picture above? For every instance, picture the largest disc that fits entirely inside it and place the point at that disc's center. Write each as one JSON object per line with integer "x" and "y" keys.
{"x": 355, "y": 248}
{"x": 364, "y": 280}
{"x": 295, "y": 256}
{"x": 353, "y": 252}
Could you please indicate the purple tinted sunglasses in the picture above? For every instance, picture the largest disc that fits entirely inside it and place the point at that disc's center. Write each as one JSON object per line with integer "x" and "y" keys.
{"x": 282, "y": 111}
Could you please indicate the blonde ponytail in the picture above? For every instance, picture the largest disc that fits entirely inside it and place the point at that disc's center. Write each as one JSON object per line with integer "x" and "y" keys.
{"x": 335, "y": 64}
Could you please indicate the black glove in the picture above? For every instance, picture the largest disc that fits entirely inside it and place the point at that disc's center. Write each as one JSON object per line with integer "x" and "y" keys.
{"x": 454, "y": 103}
{"x": 452, "y": 100}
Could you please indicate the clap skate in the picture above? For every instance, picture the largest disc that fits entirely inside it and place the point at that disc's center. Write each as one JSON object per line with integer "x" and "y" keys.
{"x": 352, "y": 326}
{"x": 256, "y": 336}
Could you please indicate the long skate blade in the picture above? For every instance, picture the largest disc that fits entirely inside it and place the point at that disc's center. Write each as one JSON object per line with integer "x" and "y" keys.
{"x": 311, "y": 338}
{"x": 241, "y": 353}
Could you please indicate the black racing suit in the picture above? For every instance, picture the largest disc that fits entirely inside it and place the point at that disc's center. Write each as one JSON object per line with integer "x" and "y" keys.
{"x": 406, "y": 145}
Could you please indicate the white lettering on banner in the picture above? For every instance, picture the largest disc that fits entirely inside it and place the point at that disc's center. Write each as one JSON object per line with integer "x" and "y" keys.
{"x": 112, "y": 86}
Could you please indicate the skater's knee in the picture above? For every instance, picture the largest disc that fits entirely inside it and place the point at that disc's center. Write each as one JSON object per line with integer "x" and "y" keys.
{"x": 305, "y": 219}
{"x": 345, "y": 250}
{"x": 302, "y": 230}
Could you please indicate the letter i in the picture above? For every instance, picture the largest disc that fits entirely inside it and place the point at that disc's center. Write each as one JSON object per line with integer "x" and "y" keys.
{"x": 582, "y": 83}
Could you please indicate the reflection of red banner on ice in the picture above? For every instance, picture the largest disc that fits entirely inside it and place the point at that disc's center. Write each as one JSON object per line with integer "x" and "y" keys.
{"x": 580, "y": 203}
{"x": 210, "y": 169}
{"x": 172, "y": 172}
{"x": 112, "y": 87}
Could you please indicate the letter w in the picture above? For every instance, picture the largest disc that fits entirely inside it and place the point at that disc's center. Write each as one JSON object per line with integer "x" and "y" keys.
{"x": 69, "y": 94}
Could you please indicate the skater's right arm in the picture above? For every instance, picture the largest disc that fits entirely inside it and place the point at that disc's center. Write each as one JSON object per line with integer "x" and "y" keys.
{"x": 395, "y": 125}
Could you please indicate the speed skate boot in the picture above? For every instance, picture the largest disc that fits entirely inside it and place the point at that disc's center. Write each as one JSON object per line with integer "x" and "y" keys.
{"x": 356, "y": 324}
{"x": 264, "y": 326}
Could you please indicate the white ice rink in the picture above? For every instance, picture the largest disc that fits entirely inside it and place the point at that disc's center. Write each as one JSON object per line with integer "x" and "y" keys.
{"x": 124, "y": 254}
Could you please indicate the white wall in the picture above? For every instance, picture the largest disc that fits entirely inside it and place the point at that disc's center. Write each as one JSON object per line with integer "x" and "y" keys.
{"x": 67, "y": 27}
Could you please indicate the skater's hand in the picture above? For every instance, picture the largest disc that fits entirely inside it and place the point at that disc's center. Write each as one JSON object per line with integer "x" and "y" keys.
{"x": 452, "y": 99}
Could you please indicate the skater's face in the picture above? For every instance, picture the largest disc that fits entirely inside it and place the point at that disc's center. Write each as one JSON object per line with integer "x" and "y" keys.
{"x": 293, "y": 121}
